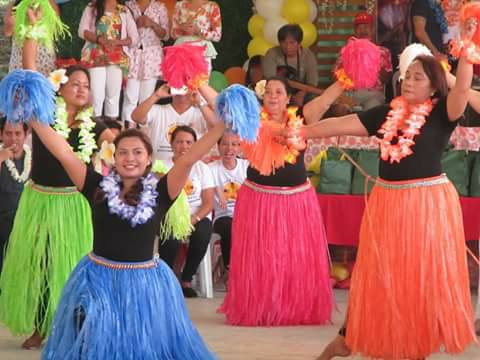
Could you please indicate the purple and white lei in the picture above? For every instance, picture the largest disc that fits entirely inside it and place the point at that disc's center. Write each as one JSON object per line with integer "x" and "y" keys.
{"x": 139, "y": 214}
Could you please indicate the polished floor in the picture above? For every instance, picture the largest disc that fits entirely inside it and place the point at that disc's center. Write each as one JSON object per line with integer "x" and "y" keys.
{"x": 241, "y": 343}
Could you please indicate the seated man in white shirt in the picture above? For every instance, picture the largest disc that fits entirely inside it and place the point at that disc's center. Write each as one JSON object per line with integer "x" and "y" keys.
{"x": 187, "y": 109}
{"x": 229, "y": 173}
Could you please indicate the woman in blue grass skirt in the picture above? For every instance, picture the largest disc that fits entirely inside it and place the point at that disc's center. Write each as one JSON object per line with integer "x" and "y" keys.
{"x": 121, "y": 301}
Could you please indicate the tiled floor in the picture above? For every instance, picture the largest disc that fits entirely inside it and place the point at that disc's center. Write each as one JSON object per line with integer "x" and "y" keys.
{"x": 240, "y": 343}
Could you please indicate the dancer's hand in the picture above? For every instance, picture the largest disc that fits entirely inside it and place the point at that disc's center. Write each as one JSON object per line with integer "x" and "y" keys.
{"x": 469, "y": 27}
{"x": 7, "y": 153}
{"x": 34, "y": 14}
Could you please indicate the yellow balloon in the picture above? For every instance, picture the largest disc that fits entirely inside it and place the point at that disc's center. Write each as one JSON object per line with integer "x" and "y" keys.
{"x": 258, "y": 46}
{"x": 296, "y": 11}
{"x": 309, "y": 34}
{"x": 255, "y": 25}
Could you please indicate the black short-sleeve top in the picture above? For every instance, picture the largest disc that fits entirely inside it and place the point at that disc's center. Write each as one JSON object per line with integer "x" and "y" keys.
{"x": 115, "y": 238}
{"x": 428, "y": 148}
{"x": 287, "y": 176}
{"x": 46, "y": 169}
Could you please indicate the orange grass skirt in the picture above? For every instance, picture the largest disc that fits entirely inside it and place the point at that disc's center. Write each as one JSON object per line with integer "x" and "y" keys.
{"x": 410, "y": 294}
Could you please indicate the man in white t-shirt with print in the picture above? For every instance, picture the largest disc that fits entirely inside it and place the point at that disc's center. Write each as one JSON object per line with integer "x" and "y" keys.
{"x": 229, "y": 173}
{"x": 187, "y": 109}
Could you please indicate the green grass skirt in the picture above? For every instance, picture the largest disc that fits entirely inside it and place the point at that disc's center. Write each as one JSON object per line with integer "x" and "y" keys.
{"x": 52, "y": 231}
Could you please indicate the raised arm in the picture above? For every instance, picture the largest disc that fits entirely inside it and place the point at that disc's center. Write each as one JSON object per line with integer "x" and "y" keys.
{"x": 59, "y": 147}
{"x": 139, "y": 115}
{"x": 178, "y": 175}
{"x": 457, "y": 98}
{"x": 344, "y": 125}
{"x": 314, "y": 110}
{"x": 205, "y": 109}
{"x": 209, "y": 93}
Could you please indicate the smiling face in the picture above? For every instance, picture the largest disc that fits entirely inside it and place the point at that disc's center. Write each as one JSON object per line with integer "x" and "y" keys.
{"x": 131, "y": 158}
{"x": 76, "y": 91}
{"x": 276, "y": 98}
{"x": 416, "y": 87}
{"x": 229, "y": 147}
{"x": 182, "y": 142}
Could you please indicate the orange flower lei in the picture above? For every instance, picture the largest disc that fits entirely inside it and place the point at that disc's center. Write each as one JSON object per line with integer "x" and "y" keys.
{"x": 294, "y": 145}
{"x": 266, "y": 154}
{"x": 406, "y": 119}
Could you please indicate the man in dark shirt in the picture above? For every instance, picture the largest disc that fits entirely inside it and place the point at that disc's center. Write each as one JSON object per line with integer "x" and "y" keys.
{"x": 13, "y": 173}
{"x": 428, "y": 28}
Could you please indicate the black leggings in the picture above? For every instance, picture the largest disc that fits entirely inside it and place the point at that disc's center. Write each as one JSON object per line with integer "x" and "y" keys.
{"x": 223, "y": 227}
{"x": 197, "y": 247}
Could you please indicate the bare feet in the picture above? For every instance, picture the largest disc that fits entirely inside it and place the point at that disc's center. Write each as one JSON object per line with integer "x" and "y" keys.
{"x": 33, "y": 342}
{"x": 337, "y": 347}
{"x": 477, "y": 327}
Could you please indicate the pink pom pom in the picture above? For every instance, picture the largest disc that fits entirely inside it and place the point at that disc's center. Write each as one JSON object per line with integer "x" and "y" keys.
{"x": 183, "y": 64}
{"x": 361, "y": 61}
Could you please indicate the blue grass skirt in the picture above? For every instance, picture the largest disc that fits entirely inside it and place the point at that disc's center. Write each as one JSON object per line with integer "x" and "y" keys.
{"x": 119, "y": 311}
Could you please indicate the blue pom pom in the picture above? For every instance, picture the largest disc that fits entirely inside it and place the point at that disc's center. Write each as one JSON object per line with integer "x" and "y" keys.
{"x": 239, "y": 108}
{"x": 27, "y": 95}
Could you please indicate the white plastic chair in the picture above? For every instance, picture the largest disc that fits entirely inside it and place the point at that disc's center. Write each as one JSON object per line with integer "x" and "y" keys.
{"x": 205, "y": 272}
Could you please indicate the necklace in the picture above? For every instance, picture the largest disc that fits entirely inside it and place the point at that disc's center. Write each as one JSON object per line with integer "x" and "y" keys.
{"x": 138, "y": 214}
{"x": 87, "y": 137}
{"x": 27, "y": 165}
{"x": 401, "y": 114}
{"x": 267, "y": 155}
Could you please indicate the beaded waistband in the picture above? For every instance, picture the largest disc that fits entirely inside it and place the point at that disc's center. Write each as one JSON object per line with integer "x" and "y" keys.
{"x": 279, "y": 190}
{"x": 64, "y": 190}
{"x": 410, "y": 184}
{"x": 118, "y": 265}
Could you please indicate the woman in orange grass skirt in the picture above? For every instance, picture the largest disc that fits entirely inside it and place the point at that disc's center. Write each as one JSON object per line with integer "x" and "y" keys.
{"x": 410, "y": 294}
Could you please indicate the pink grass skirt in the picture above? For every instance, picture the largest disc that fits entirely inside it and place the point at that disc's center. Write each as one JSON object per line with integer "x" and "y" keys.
{"x": 279, "y": 267}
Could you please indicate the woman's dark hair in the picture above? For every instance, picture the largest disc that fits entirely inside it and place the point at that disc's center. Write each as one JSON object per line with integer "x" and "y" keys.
{"x": 284, "y": 81}
{"x": 255, "y": 61}
{"x": 292, "y": 30}
{"x": 3, "y": 122}
{"x": 132, "y": 196}
{"x": 99, "y": 6}
{"x": 112, "y": 124}
{"x": 183, "y": 128}
{"x": 435, "y": 73}
{"x": 73, "y": 69}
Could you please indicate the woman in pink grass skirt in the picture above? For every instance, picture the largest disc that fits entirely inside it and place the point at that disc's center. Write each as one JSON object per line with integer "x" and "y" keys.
{"x": 279, "y": 270}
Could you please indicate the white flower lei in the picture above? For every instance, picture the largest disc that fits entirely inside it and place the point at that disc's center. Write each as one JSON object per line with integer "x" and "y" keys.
{"x": 139, "y": 214}
{"x": 87, "y": 137}
{"x": 27, "y": 166}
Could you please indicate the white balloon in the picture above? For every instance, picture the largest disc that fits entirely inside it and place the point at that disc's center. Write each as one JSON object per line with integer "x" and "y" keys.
{"x": 269, "y": 8}
{"x": 271, "y": 27}
{"x": 313, "y": 10}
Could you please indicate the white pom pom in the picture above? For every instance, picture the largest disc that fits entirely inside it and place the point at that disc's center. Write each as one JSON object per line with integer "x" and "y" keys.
{"x": 409, "y": 54}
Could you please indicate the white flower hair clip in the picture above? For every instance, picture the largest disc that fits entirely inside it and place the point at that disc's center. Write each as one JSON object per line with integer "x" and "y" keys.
{"x": 107, "y": 153}
{"x": 58, "y": 78}
{"x": 260, "y": 88}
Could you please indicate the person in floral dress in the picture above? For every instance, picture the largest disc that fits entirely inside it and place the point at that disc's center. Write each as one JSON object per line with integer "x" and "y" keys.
{"x": 151, "y": 17}
{"x": 110, "y": 33}
{"x": 198, "y": 21}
